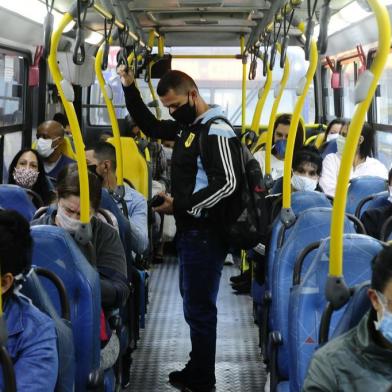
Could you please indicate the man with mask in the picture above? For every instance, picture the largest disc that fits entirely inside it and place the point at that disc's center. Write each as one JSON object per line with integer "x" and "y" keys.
{"x": 202, "y": 197}
{"x": 50, "y": 139}
{"x": 32, "y": 340}
{"x": 361, "y": 359}
{"x": 101, "y": 159}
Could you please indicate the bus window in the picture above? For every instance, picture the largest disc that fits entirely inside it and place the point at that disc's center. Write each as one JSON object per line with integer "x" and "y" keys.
{"x": 348, "y": 72}
{"x": 384, "y": 101}
{"x": 12, "y": 144}
{"x": 330, "y": 106}
{"x": 384, "y": 147}
{"x": 11, "y": 89}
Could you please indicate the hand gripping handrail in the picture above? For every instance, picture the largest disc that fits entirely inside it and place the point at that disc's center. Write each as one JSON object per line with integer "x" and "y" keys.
{"x": 73, "y": 119}
{"x": 261, "y": 102}
{"x": 336, "y": 290}
{"x": 270, "y": 131}
{"x": 108, "y": 98}
{"x": 286, "y": 214}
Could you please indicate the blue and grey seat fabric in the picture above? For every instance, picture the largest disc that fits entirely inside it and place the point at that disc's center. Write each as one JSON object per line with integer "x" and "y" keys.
{"x": 33, "y": 289}
{"x": 311, "y": 226}
{"x": 307, "y": 299}
{"x": 361, "y": 187}
{"x": 375, "y": 200}
{"x": 55, "y": 250}
{"x": 13, "y": 197}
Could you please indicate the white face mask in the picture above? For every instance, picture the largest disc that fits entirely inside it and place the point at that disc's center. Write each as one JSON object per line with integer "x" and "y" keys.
{"x": 340, "y": 143}
{"x": 45, "y": 147}
{"x": 384, "y": 323}
{"x": 303, "y": 183}
{"x": 63, "y": 220}
{"x": 332, "y": 136}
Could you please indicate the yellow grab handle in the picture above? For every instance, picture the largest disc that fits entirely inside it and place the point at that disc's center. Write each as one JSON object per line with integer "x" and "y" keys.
{"x": 353, "y": 135}
{"x": 73, "y": 120}
{"x": 112, "y": 113}
{"x": 243, "y": 99}
{"x": 270, "y": 130}
{"x": 286, "y": 205}
{"x": 261, "y": 102}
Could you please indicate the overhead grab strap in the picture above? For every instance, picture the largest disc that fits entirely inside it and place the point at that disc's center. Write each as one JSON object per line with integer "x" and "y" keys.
{"x": 122, "y": 55}
{"x": 106, "y": 43}
{"x": 48, "y": 27}
{"x": 309, "y": 28}
{"x": 79, "y": 54}
{"x": 336, "y": 290}
{"x": 266, "y": 43}
{"x": 273, "y": 45}
{"x": 325, "y": 15}
{"x": 285, "y": 38}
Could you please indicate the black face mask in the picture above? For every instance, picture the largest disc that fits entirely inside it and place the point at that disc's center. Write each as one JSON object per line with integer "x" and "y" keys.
{"x": 93, "y": 169}
{"x": 185, "y": 114}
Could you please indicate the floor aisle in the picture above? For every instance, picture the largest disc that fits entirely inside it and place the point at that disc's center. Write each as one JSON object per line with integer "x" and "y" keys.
{"x": 165, "y": 344}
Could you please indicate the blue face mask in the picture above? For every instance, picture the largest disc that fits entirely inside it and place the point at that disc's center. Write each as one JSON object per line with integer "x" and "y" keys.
{"x": 384, "y": 325}
{"x": 280, "y": 148}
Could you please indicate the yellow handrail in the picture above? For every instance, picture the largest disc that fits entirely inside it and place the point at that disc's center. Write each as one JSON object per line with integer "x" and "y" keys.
{"x": 270, "y": 130}
{"x": 261, "y": 102}
{"x": 112, "y": 113}
{"x": 286, "y": 214}
{"x": 243, "y": 99}
{"x": 73, "y": 120}
{"x": 353, "y": 135}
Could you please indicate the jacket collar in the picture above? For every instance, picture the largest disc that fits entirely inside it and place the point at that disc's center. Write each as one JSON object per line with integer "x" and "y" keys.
{"x": 13, "y": 315}
{"x": 214, "y": 111}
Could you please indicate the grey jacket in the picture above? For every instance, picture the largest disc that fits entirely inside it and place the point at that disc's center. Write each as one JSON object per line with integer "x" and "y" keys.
{"x": 352, "y": 362}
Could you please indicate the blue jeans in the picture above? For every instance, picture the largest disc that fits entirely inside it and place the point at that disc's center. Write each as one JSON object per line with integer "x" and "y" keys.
{"x": 201, "y": 256}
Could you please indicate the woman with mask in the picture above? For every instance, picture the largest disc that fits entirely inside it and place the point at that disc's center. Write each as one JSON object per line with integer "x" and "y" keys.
{"x": 27, "y": 170}
{"x": 108, "y": 255}
{"x": 360, "y": 359}
{"x": 331, "y": 134}
{"x": 363, "y": 165}
{"x": 280, "y": 135}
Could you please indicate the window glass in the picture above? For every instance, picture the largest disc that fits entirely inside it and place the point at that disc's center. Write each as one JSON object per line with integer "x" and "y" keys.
{"x": 12, "y": 145}
{"x": 348, "y": 89}
{"x": 384, "y": 101}
{"x": 327, "y": 88}
{"x": 11, "y": 89}
{"x": 384, "y": 148}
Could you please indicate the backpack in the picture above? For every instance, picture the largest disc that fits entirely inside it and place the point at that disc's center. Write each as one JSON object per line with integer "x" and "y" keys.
{"x": 249, "y": 225}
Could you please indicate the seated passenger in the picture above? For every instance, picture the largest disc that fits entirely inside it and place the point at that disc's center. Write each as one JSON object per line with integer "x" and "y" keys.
{"x": 363, "y": 164}
{"x": 332, "y": 133}
{"x": 109, "y": 256}
{"x": 361, "y": 359}
{"x": 102, "y": 160}
{"x": 63, "y": 120}
{"x": 281, "y": 133}
{"x": 50, "y": 139}
{"x": 32, "y": 339}
{"x": 27, "y": 170}
{"x": 374, "y": 219}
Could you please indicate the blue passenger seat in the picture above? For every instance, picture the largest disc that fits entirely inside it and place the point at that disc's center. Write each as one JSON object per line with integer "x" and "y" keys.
{"x": 375, "y": 200}
{"x": 13, "y": 197}
{"x": 362, "y": 187}
{"x": 34, "y": 289}
{"x": 307, "y": 299}
{"x": 55, "y": 250}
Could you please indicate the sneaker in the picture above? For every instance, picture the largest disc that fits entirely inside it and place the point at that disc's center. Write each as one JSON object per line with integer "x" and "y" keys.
{"x": 229, "y": 259}
{"x": 187, "y": 381}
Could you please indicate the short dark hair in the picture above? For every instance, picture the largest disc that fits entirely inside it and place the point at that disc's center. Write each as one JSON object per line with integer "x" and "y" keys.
{"x": 366, "y": 147}
{"x": 390, "y": 177}
{"x": 175, "y": 80}
{"x": 68, "y": 185}
{"x": 382, "y": 269}
{"x": 340, "y": 121}
{"x": 105, "y": 151}
{"x": 15, "y": 243}
{"x": 285, "y": 119}
{"x": 41, "y": 186}
{"x": 61, "y": 118}
{"x": 308, "y": 154}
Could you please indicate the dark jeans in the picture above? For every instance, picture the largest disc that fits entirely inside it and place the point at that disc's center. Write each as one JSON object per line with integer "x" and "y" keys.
{"x": 201, "y": 256}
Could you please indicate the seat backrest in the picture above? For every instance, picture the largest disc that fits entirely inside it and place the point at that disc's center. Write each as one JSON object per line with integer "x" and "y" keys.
{"x": 14, "y": 197}
{"x": 376, "y": 200}
{"x": 300, "y": 201}
{"x": 356, "y": 308}
{"x": 135, "y": 167}
{"x": 361, "y": 187}
{"x": 33, "y": 289}
{"x": 311, "y": 225}
{"x": 55, "y": 250}
{"x": 307, "y": 300}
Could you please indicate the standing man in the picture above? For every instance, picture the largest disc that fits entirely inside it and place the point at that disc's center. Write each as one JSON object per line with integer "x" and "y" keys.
{"x": 201, "y": 201}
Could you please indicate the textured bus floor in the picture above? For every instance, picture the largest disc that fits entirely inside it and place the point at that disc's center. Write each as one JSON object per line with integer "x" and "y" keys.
{"x": 165, "y": 344}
